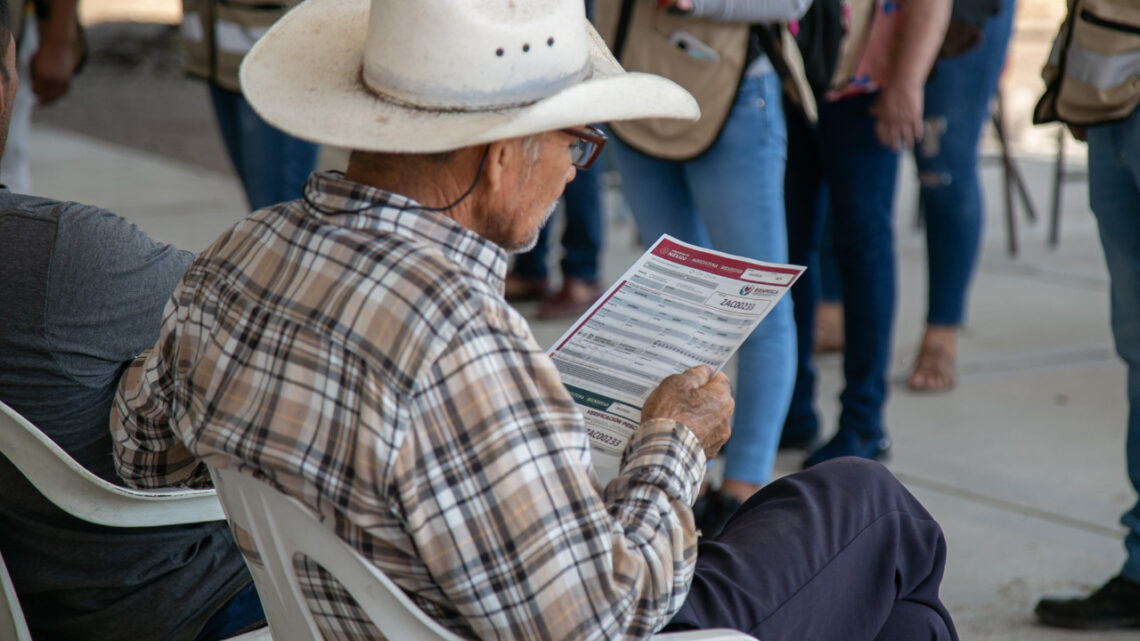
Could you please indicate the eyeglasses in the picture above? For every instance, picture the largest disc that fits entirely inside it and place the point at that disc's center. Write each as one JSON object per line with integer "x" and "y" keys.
{"x": 588, "y": 146}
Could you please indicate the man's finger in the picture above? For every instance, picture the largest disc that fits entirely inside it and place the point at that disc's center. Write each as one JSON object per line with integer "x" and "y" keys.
{"x": 720, "y": 380}
{"x": 698, "y": 375}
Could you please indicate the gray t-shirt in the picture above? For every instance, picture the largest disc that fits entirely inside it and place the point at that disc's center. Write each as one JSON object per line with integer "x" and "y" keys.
{"x": 81, "y": 294}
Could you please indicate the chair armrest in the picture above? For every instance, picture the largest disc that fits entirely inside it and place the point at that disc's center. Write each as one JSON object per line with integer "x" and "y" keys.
{"x": 77, "y": 491}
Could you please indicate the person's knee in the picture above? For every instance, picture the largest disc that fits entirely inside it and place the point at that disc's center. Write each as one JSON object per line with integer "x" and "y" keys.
{"x": 850, "y": 469}
{"x": 872, "y": 479}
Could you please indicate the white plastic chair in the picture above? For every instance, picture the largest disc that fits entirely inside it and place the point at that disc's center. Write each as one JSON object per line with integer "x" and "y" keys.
{"x": 280, "y": 527}
{"x": 75, "y": 490}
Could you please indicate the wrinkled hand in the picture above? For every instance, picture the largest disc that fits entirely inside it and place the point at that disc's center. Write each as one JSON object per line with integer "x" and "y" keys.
{"x": 898, "y": 116}
{"x": 700, "y": 400}
{"x": 52, "y": 68}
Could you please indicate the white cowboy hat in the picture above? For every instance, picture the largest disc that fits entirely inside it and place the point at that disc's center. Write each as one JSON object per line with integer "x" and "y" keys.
{"x": 425, "y": 76}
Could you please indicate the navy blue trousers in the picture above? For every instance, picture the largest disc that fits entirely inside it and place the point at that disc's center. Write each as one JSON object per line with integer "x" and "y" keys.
{"x": 839, "y": 551}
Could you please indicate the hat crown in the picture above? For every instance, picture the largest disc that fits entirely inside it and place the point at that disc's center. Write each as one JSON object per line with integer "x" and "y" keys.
{"x": 474, "y": 54}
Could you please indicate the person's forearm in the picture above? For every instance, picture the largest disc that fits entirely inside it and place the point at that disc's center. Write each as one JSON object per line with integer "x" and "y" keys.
{"x": 750, "y": 11}
{"x": 61, "y": 24}
{"x": 924, "y": 27}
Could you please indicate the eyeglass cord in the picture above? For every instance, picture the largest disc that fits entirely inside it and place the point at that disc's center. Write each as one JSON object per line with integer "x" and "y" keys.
{"x": 334, "y": 212}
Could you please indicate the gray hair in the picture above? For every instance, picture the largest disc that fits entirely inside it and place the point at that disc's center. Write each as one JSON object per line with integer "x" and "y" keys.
{"x": 531, "y": 146}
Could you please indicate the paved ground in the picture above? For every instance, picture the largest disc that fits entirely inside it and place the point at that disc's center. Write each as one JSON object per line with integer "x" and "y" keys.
{"x": 1022, "y": 462}
{"x": 134, "y": 92}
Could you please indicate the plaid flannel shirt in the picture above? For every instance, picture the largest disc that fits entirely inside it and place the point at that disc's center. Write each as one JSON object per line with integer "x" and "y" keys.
{"x": 360, "y": 356}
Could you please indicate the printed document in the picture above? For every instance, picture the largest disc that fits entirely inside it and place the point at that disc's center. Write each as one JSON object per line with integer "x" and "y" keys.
{"x": 678, "y": 306}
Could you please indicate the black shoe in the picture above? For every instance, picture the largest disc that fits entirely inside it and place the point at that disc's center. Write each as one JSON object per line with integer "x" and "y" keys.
{"x": 1115, "y": 605}
{"x": 798, "y": 440}
{"x": 711, "y": 512}
{"x": 800, "y": 434}
{"x": 848, "y": 442}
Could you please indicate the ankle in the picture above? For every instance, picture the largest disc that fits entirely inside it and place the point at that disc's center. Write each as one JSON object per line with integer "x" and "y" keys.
{"x": 739, "y": 490}
{"x": 940, "y": 337}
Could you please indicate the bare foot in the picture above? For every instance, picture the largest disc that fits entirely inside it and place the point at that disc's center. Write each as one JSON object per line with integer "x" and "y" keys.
{"x": 828, "y": 327}
{"x": 935, "y": 369}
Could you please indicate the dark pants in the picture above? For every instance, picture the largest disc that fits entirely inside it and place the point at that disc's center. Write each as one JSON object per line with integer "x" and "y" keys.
{"x": 272, "y": 165}
{"x": 239, "y": 615}
{"x": 842, "y": 162}
{"x": 840, "y": 551}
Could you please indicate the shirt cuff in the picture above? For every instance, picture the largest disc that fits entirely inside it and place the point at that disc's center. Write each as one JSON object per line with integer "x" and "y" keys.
{"x": 665, "y": 453}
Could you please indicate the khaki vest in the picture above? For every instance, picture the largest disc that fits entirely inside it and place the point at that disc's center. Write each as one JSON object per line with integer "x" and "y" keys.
{"x": 216, "y": 34}
{"x": 1093, "y": 72}
{"x": 707, "y": 58}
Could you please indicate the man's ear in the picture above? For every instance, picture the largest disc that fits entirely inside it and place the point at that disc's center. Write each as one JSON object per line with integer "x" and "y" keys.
{"x": 501, "y": 157}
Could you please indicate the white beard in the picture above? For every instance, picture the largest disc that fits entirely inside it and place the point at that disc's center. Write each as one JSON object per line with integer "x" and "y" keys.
{"x": 528, "y": 245}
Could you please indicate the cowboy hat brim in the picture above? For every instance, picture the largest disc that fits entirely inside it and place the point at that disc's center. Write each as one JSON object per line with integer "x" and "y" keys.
{"x": 304, "y": 77}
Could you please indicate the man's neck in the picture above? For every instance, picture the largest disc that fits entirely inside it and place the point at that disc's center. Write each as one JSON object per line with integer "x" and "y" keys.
{"x": 433, "y": 185}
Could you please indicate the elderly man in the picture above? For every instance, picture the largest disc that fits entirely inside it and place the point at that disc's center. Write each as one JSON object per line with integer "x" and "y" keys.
{"x": 353, "y": 348}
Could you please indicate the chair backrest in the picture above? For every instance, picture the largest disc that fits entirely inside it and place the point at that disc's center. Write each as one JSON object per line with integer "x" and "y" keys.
{"x": 280, "y": 527}
{"x": 77, "y": 491}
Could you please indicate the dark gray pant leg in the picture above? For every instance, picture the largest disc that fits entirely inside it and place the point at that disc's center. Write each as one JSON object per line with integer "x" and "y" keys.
{"x": 840, "y": 551}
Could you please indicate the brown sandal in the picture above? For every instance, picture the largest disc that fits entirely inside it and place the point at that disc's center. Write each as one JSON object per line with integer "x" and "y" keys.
{"x": 935, "y": 370}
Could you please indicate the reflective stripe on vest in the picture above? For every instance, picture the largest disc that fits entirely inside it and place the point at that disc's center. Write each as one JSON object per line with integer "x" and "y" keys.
{"x": 191, "y": 29}
{"x": 231, "y": 37}
{"x": 1102, "y": 71}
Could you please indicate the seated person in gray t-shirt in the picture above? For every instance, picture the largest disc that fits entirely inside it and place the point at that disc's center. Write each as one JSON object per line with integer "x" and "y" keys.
{"x": 81, "y": 294}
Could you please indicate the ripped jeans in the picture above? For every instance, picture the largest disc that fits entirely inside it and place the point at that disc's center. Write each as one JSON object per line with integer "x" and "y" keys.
{"x": 958, "y": 96}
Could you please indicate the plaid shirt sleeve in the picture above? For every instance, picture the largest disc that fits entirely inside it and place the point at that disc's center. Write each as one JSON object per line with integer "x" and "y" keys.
{"x": 147, "y": 452}
{"x": 499, "y": 500}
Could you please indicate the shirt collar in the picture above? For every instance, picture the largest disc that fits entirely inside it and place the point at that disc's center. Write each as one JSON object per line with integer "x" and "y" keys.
{"x": 329, "y": 195}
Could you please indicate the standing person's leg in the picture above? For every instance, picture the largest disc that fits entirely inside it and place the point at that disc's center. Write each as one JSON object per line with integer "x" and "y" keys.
{"x": 226, "y": 113}
{"x": 829, "y": 312}
{"x": 738, "y": 186}
{"x": 805, "y": 199}
{"x": 581, "y": 244}
{"x": 582, "y": 239}
{"x": 276, "y": 164}
{"x": 841, "y": 551}
{"x": 15, "y": 165}
{"x": 958, "y": 97}
{"x": 272, "y": 165}
{"x": 1114, "y": 191}
{"x": 861, "y": 176}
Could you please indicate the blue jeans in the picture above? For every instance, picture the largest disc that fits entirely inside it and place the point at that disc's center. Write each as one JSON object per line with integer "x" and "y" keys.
{"x": 843, "y": 155}
{"x": 242, "y": 613}
{"x": 272, "y": 165}
{"x": 958, "y": 97}
{"x": 731, "y": 198}
{"x": 582, "y": 238}
{"x": 1114, "y": 192}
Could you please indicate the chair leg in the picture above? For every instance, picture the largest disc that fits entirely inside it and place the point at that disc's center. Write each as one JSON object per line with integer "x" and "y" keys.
{"x": 1008, "y": 175}
{"x": 1058, "y": 181}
